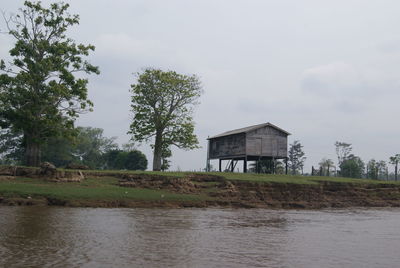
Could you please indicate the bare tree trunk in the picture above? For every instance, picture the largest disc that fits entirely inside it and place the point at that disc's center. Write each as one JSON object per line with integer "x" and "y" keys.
{"x": 395, "y": 172}
{"x": 157, "y": 152}
{"x": 32, "y": 153}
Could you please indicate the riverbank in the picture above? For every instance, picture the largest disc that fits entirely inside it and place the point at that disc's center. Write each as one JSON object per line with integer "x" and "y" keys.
{"x": 184, "y": 189}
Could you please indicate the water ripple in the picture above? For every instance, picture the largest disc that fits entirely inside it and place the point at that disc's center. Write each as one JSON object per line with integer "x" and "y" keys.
{"x": 86, "y": 237}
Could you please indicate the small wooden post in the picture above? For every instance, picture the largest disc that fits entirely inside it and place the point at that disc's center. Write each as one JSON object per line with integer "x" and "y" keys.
{"x": 220, "y": 164}
{"x": 273, "y": 165}
{"x": 286, "y": 168}
{"x": 208, "y": 157}
{"x": 245, "y": 165}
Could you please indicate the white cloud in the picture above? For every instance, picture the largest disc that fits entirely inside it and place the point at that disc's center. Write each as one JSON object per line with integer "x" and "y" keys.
{"x": 332, "y": 79}
{"x": 124, "y": 46}
{"x": 348, "y": 84}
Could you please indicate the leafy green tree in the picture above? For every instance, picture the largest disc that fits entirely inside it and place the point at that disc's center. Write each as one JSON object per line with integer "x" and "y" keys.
{"x": 40, "y": 96}
{"x": 162, "y": 104}
{"x": 352, "y": 167}
{"x": 86, "y": 147}
{"x": 394, "y": 160}
{"x": 90, "y": 145}
{"x": 115, "y": 159}
{"x": 296, "y": 157}
{"x": 135, "y": 160}
{"x": 131, "y": 160}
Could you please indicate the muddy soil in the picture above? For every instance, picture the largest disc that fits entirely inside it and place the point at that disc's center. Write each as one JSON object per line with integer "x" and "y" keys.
{"x": 218, "y": 191}
{"x": 275, "y": 195}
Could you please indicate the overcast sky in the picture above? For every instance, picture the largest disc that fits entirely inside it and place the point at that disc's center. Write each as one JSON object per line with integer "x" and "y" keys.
{"x": 325, "y": 71}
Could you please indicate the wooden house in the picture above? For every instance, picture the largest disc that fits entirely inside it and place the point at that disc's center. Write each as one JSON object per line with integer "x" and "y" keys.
{"x": 253, "y": 143}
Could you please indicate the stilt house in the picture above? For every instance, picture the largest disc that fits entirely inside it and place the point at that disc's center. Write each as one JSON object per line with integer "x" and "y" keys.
{"x": 253, "y": 143}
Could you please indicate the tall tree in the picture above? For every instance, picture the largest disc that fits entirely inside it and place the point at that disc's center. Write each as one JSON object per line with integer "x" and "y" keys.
{"x": 343, "y": 150}
{"x": 394, "y": 160}
{"x": 372, "y": 169}
{"x": 162, "y": 104}
{"x": 382, "y": 170}
{"x": 296, "y": 157}
{"x": 40, "y": 97}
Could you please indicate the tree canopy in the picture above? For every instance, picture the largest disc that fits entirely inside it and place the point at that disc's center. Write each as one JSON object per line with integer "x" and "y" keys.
{"x": 40, "y": 96}
{"x": 162, "y": 105}
{"x": 296, "y": 157}
{"x": 90, "y": 145}
{"x": 130, "y": 160}
{"x": 352, "y": 167}
{"x": 343, "y": 151}
{"x": 87, "y": 146}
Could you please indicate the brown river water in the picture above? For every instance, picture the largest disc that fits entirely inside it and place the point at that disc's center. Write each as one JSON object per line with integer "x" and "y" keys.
{"x": 90, "y": 237}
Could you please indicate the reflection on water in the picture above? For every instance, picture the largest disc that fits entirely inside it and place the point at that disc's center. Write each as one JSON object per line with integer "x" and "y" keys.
{"x": 87, "y": 237}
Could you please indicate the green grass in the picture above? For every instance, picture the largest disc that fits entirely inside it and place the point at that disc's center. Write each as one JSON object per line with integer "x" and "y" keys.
{"x": 106, "y": 188}
{"x": 162, "y": 173}
{"x": 295, "y": 179}
{"x": 89, "y": 189}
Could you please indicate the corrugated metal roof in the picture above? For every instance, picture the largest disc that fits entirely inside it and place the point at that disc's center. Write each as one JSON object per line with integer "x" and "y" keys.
{"x": 247, "y": 129}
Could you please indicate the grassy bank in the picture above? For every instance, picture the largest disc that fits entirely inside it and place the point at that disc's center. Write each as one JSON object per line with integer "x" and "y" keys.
{"x": 177, "y": 189}
{"x": 91, "y": 191}
{"x": 252, "y": 177}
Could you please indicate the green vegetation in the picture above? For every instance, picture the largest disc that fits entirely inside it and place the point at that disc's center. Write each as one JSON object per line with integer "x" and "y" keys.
{"x": 130, "y": 160}
{"x": 101, "y": 189}
{"x": 297, "y": 179}
{"x": 41, "y": 93}
{"x": 296, "y": 158}
{"x": 87, "y": 147}
{"x": 162, "y": 106}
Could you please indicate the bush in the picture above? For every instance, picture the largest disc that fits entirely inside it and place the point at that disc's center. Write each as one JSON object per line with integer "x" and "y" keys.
{"x": 131, "y": 160}
{"x": 136, "y": 160}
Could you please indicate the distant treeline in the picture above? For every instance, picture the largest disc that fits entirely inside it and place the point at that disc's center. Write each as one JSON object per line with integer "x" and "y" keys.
{"x": 86, "y": 146}
{"x": 348, "y": 164}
